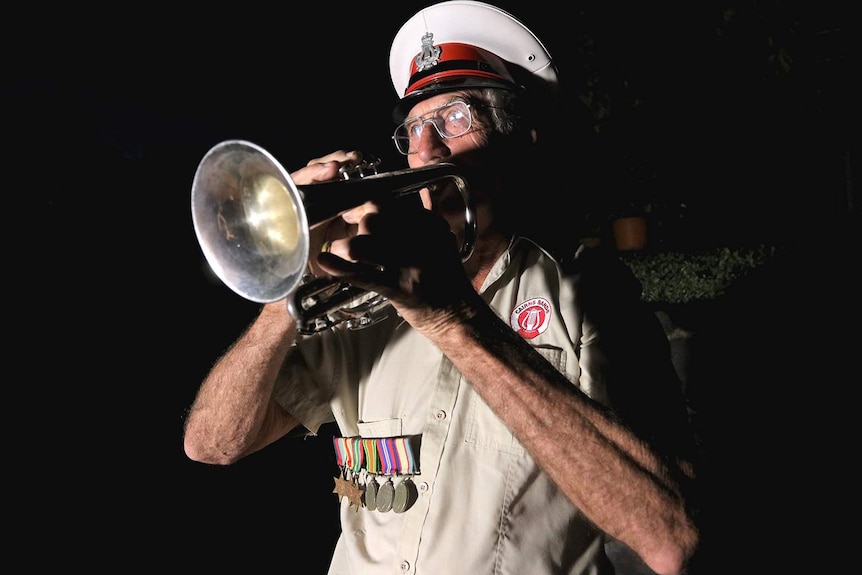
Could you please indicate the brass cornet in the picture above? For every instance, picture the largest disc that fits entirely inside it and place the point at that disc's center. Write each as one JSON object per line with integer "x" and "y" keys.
{"x": 253, "y": 223}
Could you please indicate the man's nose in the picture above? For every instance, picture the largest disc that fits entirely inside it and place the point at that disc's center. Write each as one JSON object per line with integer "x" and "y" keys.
{"x": 430, "y": 141}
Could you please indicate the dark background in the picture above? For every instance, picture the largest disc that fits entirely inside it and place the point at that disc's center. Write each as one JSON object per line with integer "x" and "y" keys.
{"x": 107, "y": 114}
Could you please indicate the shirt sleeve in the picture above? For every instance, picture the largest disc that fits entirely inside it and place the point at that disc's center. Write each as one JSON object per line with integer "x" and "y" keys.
{"x": 305, "y": 392}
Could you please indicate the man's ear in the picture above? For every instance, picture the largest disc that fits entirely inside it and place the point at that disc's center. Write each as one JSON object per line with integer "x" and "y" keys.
{"x": 534, "y": 135}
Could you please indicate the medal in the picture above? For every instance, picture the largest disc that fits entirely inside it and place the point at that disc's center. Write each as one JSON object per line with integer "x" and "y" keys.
{"x": 371, "y": 493}
{"x": 405, "y": 496}
{"x": 346, "y": 488}
{"x": 385, "y": 495}
{"x": 361, "y": 460}
{"x": 354, "y": 494}
{"x": 350, "y": 458}
{"x": 342, "y": 486}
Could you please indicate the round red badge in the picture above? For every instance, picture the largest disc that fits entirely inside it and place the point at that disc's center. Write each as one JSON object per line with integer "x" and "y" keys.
{"x": 531, "y": 318}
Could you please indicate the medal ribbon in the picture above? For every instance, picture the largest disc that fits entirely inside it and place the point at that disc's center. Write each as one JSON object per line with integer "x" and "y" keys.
{"x": 340, "y": 450}
{"x": 369, "y": 447}
{"x": 405, "y": 455}
{"x": 358, "y": 456}
{"x": 349, "y": 452}
{"x": 386, "y": 455}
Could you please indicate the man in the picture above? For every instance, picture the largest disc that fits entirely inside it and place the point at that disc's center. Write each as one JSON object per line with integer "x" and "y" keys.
{"x": 511, "y": 411}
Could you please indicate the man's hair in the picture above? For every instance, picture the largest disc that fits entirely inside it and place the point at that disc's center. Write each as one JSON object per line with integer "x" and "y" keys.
{"x": 502, "y": 108}
{"x": 504, "y": 112}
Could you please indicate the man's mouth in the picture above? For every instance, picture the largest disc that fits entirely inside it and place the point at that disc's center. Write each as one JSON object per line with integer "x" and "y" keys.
{"x": 445, "y": 197}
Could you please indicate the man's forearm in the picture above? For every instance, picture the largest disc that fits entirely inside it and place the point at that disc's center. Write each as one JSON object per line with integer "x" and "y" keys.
{"x": 233, "y": 413}
{"x": 611, "y": 475}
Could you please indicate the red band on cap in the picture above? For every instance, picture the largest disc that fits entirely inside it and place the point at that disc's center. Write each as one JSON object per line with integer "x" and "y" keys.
{"x": 459, "y": 60}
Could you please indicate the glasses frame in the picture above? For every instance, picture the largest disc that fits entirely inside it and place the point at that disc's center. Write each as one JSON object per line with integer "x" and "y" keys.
{"x": 432, "y": 116}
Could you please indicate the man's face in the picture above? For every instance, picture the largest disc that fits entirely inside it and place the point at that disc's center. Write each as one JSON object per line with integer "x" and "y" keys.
{"x": 428, "y": 146}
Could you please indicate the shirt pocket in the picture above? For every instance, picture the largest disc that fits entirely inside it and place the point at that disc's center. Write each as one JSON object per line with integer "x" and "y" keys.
{"x": 485, "y": 430}
{"x": 382, "y": 428}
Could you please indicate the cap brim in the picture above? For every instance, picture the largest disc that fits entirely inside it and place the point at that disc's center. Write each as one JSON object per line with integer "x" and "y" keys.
{"x": 450, "y": 85}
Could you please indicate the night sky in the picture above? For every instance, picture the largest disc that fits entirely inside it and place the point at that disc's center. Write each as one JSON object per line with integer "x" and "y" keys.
{"x": 106, "y": 120}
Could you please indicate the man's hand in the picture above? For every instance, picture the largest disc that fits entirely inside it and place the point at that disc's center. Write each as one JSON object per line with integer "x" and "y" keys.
{"x": 407, "y": 254}
{"x": 324, "y": 235}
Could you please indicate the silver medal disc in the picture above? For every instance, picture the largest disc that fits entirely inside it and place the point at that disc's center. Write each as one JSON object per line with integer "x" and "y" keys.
{"x": 405, "y": 496}
{"x": 371, "y": 494}
{"x": 385, "y": 495}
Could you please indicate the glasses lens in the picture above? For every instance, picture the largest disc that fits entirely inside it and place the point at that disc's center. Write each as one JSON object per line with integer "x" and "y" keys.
{"x": 453, "y": 120}
{"x": 450, "y": 121}
{"x": 402, "y": 141}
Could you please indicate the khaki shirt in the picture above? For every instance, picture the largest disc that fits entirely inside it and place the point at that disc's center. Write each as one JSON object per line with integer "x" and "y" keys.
{"x": 483, "y": 504}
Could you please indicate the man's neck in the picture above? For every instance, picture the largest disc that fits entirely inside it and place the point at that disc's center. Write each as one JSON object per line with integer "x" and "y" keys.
{"x": 487, "y": 251}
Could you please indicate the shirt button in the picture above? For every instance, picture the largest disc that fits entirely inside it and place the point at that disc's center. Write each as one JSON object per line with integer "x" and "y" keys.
{"x": 423, "y": 487}
{"x": 440, "y": 415}
{"x": 405, "y": 566}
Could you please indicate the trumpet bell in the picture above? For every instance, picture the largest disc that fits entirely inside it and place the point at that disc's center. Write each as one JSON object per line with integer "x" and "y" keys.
{"x": 250, "y": 221}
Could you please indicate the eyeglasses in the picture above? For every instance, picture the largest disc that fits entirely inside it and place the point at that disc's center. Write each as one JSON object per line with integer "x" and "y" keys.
{"x": 450, "y": 121}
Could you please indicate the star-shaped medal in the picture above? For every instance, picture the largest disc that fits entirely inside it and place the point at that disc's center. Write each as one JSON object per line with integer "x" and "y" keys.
{"x": 341, "y": 487}
{"x": 344, "y": 488}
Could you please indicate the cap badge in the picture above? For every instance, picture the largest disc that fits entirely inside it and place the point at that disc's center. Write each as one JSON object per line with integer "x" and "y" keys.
{"x": 430, "y": 54}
